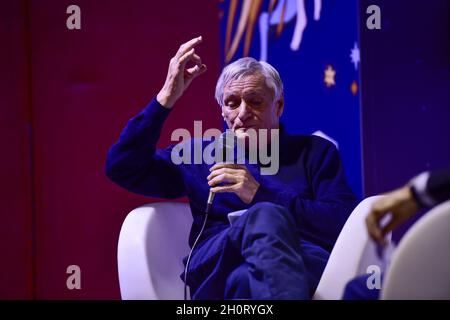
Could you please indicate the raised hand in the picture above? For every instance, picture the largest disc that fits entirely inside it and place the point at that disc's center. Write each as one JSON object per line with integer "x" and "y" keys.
{"x": 179, "y": 77}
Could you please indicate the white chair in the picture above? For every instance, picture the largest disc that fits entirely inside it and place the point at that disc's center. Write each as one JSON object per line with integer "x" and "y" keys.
{"x": 420, "y": 266}
{"x": 352, "y": 254}
{"x": 153, "y": 242}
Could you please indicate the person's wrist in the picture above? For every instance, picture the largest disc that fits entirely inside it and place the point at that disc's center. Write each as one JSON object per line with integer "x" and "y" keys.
{"x": 419, "y": 192}
{"x": 165, "y": 99}
{"x": 254, "y": 191}
{"x": 408, "y": 192}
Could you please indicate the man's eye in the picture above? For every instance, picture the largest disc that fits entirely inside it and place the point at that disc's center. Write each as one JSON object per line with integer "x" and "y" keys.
{"x": 256, "y": 102}
{"x": 232, "y": 104}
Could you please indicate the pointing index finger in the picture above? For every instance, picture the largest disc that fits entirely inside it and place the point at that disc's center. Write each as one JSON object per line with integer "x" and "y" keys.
{"x": 185, "y": 47}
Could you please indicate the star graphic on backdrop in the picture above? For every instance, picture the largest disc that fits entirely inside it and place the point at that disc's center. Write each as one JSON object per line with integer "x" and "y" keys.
{"x": 354, "y": 88}
{"x": 354, "y": 55}
{"x": 329, "y": 76}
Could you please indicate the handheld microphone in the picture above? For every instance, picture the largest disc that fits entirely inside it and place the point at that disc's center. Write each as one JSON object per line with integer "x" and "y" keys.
{"x": 225, "y": 145}
{"x": 209, "y": 202}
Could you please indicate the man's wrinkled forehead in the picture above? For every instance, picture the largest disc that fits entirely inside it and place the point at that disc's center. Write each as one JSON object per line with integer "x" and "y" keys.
{"x": 254, "y": 84}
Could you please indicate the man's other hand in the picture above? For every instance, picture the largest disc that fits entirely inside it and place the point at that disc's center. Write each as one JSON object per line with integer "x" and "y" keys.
{"x": 400, "y": 203}
{"x": 234, "y": 178}
{"x": 179, "y": 76}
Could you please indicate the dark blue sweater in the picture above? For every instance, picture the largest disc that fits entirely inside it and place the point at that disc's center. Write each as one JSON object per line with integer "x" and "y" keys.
{"x": 310, "y": 182}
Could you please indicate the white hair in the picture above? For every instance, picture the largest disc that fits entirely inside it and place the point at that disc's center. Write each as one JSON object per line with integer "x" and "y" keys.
{"x": 246, "y": 67}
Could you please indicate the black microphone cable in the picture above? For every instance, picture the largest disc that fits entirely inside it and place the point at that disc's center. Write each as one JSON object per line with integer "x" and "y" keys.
{"x": 208, "y": 209}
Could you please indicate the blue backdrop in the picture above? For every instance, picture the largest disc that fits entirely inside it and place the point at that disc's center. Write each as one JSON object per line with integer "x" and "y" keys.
{"x": 314, "y": 45}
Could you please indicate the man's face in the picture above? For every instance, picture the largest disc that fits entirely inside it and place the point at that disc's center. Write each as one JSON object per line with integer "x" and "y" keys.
{"x": 249, "y": 103}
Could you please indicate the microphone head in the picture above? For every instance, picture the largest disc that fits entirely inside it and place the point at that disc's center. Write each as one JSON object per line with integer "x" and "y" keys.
{"x": 225, "y": 144}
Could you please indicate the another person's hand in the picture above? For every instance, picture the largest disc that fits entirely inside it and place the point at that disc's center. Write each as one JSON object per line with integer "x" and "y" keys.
{"x": 400, "y": 203}
{"x": 236, "y": 178}
{"x": 179, "y": 76}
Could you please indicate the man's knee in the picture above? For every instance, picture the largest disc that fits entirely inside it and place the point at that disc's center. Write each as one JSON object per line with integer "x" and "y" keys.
{"x": 262, "y": 224}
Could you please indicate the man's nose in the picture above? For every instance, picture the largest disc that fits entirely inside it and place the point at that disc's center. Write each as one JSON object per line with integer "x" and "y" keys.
{"x": 244, "y": 111}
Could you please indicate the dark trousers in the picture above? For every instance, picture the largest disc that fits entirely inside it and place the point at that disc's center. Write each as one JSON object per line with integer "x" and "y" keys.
{"x": 261, "y": 256}
{"x": 357, "y": 289}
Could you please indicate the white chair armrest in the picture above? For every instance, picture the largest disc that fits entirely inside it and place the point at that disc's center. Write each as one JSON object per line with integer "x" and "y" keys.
{"x": 420, "y": 266}
{"x": 152, "y": 244}
{"x": 352, "y": 253}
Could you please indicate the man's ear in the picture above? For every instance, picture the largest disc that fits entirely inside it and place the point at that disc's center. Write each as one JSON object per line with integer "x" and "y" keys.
{"x": 280, "y": 106}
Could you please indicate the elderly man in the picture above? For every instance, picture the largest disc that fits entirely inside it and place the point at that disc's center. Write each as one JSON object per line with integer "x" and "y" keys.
{"x": 279, "y": 247}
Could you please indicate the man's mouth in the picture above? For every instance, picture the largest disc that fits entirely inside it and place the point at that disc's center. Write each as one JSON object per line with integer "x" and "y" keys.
{"x": 244, "y": 128}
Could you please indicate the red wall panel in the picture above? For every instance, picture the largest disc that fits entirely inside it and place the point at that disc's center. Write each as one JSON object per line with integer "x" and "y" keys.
{"x": 86, "y": 84}
{"x": 16, "y": 267}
